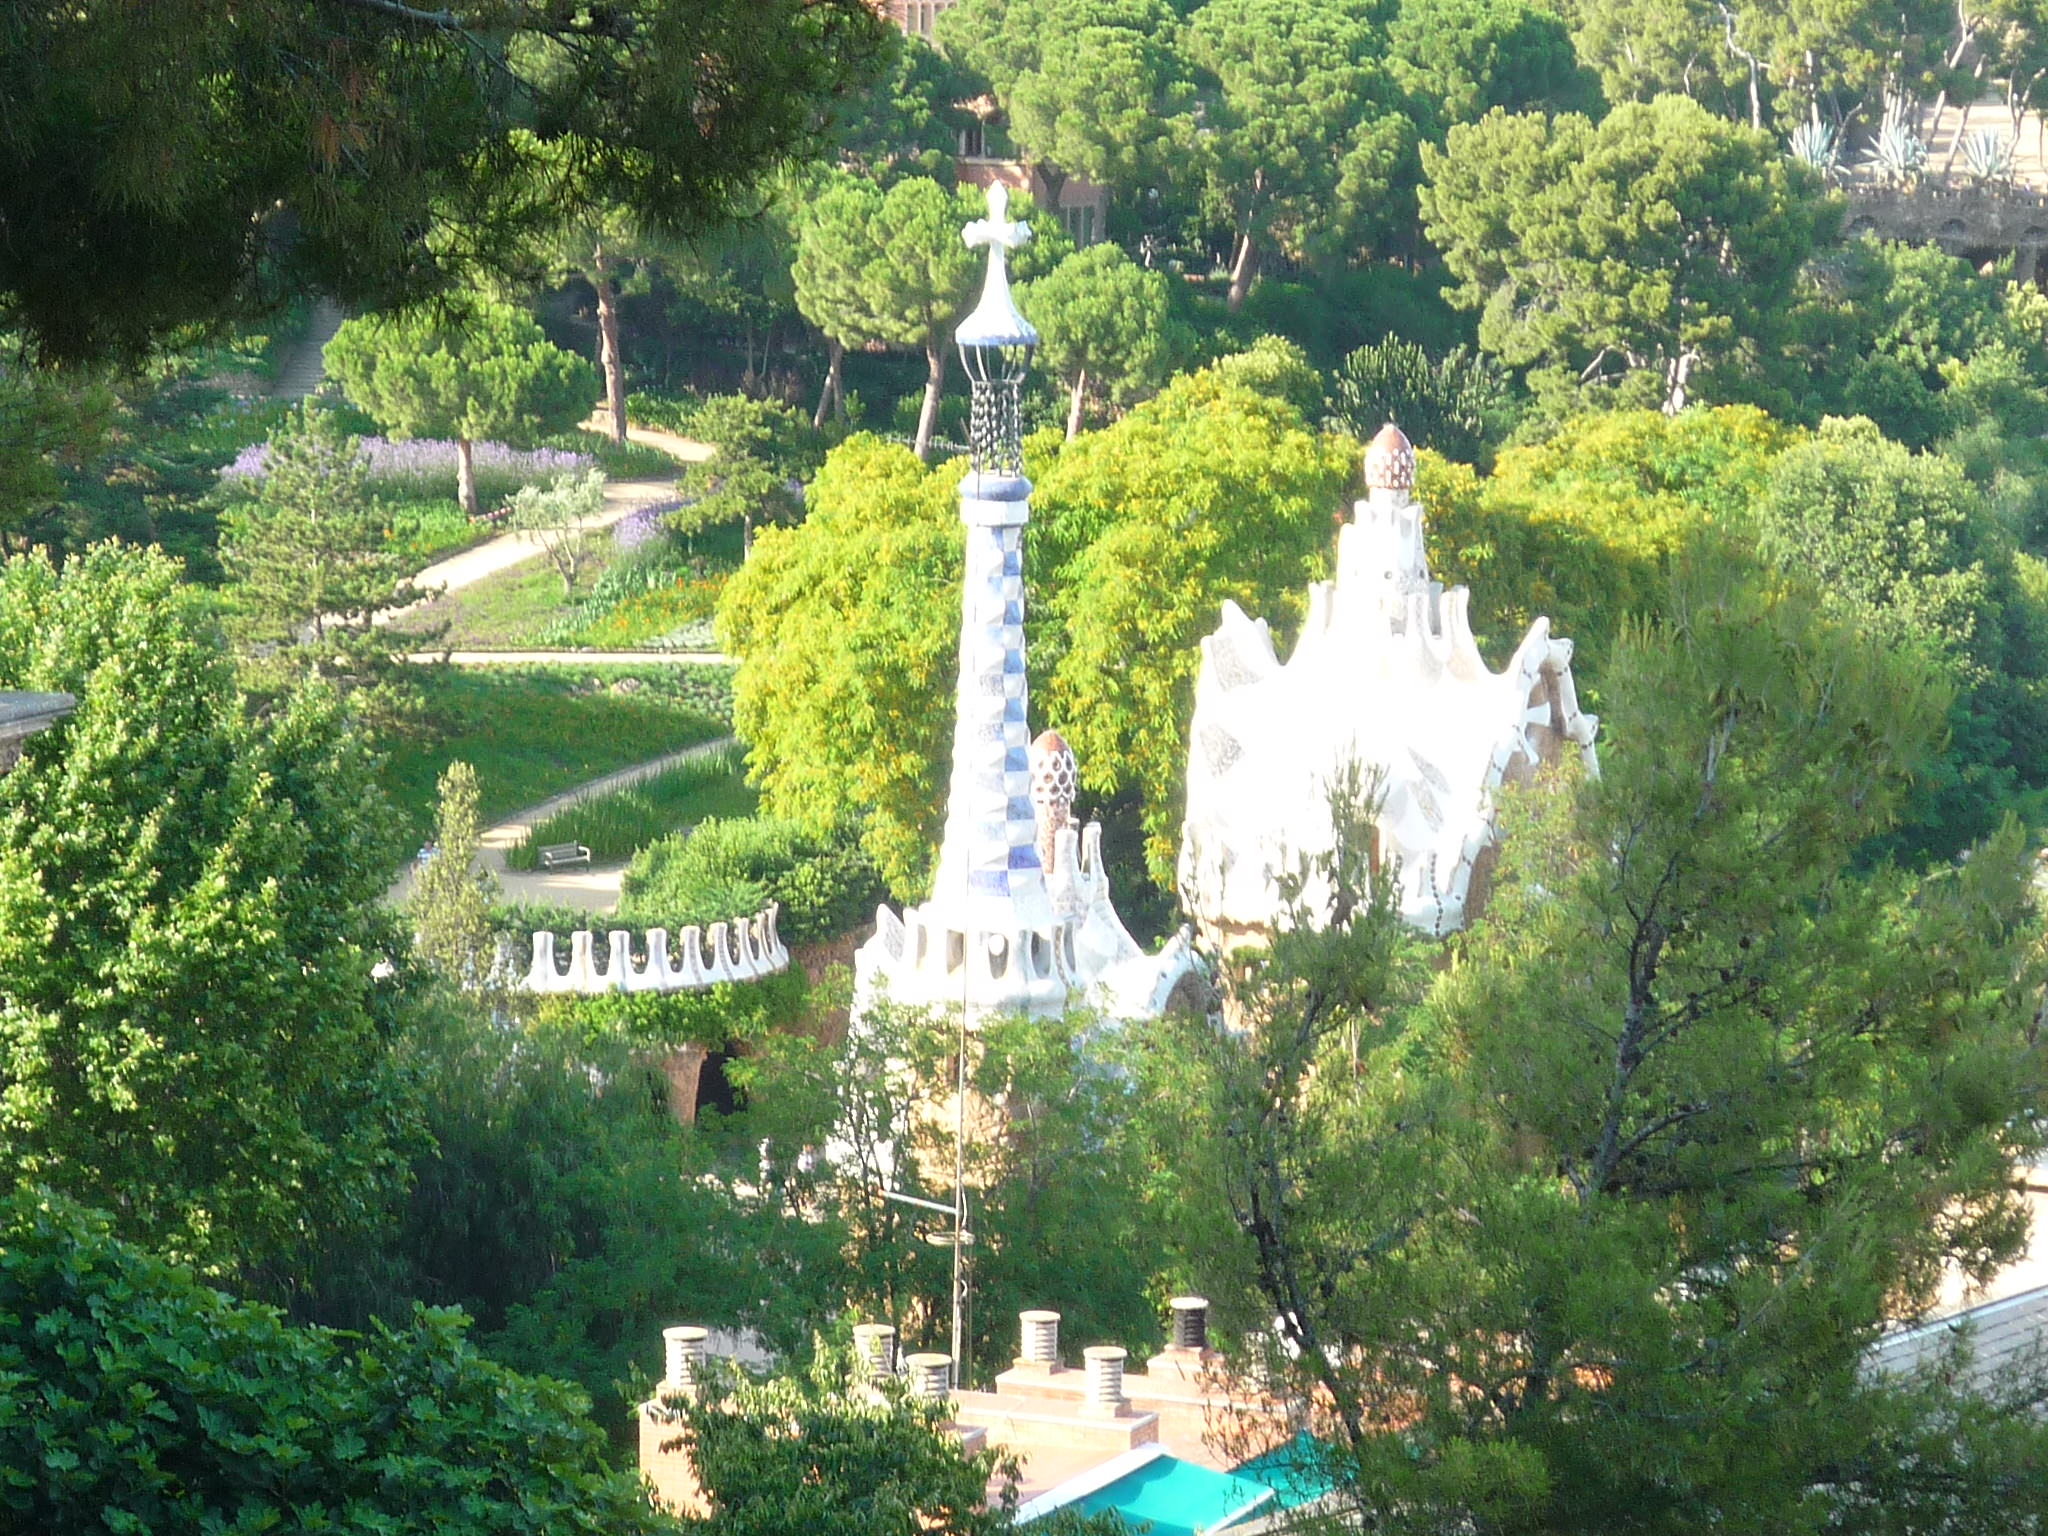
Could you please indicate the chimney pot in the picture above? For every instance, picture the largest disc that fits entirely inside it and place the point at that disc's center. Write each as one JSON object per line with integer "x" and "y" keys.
{"x": 1190, "y": 1322}
{"x": 876, "y": 1343}
{"x": 1040, "y": 1332}
{"x": 686, "y": 1349}
{"x": 931, "y": 1375}
{"x": 1105, "y": 1377}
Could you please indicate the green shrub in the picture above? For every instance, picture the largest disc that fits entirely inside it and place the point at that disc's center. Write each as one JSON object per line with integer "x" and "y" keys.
{"x": 670, "y": 413}
{"x": 826, "y": 886}
{"x": 620, "y": 824}
{"x": 135, "y": 1399}
{"x": 714, "y": 1018}
{"x": 427, "y": 530}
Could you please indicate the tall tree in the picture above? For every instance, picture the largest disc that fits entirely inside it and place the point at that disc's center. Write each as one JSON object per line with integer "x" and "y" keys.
{"x": 894, "y": 269}
{"x": 1106, "y": 323}
{"x": 1306, "y": 134}
{"x": 1661, "y": 243}
{"x": 909, "y": 122}
{"x": 192, "y": 1034}
{"x": 1462, "y": 59}
{"x": 1599, "y": 1235}
{"x": 832, "y": 257}
{"x": 844, "y": 725}
{"x": 169, "y": 165}
{"x": 1108, "y": 98}
{"x": 489, "y": 374}
{"x": 919, "y": 283}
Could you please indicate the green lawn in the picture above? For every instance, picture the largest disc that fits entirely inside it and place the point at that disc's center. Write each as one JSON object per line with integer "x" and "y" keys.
{"x": 619, "y": 825}
{"x": 507, "y": 611}
{"x": 532, "y": 732}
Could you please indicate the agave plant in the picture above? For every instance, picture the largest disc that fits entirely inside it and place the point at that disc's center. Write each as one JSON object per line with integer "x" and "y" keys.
{"x": 1988, "y": 155}
{"x": 1897, "y": 154}
{"x": 1816, "y": 143}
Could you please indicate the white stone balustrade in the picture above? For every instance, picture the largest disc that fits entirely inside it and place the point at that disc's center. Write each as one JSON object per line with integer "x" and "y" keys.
{"x": 744, "y": 950}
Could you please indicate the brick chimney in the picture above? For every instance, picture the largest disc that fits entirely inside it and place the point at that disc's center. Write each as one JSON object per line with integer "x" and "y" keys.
{"x": 664, "y": 1456}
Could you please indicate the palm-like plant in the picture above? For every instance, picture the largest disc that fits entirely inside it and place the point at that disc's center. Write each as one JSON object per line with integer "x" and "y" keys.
{"x": 1988, "y": 155}
{"x": 1817, "y": 144}
{"x": 1897, "y": 153}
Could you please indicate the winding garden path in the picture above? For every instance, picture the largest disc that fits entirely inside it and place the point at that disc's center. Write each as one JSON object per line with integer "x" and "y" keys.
{"x": 595, "y": 889}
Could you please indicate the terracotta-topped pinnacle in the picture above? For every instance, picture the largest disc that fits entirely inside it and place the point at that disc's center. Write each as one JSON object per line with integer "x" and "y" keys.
{"x": 1390, "y": 461}
{"x": 1050, "y": 741}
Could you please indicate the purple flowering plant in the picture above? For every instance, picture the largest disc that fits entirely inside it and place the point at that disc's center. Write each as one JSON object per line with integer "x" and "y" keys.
{"x": 423, "y": 468}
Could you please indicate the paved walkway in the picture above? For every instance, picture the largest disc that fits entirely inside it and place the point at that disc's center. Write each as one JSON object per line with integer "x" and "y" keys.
{"x": 575, "y": 658}
{"x": 685, "y": 449}
{"x": 304, "y": 368}
{"x": 622, "y": 498}
{"x": 592, "y": 890}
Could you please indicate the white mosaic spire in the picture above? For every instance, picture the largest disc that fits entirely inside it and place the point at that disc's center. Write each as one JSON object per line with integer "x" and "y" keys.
{"x": 992, "y": 938}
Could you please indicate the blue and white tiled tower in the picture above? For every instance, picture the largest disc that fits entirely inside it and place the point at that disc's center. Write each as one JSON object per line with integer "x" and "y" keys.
{"x": 1002, "y": 933}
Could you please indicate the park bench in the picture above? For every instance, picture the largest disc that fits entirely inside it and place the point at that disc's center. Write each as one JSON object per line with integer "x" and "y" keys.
{"x": 562, "y": 855}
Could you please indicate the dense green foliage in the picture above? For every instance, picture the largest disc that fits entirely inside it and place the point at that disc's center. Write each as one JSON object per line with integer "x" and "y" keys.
{"x": 1633, "y": 253}
{"x": 1453, "y": 404}
{"x": 167, "y": 167}
{"x": 723, "y": 869}
{"x": 819, "y": 1452}
{"x": 191, "y": 1035}
{"x": 1595, "y": 1225}
{"x": 846, "y": 628}
{"x": 135, "y": 1399}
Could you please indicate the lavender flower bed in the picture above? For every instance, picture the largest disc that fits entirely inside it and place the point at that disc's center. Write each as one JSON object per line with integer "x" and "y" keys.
{"x": 644, "y": 527}
{"x": 423, "y": 467}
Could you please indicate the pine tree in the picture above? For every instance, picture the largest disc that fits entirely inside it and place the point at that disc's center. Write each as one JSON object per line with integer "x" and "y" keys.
{"x": 307, "y": 552}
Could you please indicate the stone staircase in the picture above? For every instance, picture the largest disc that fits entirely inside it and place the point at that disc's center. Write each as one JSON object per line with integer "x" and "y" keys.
{"x": 305, "y": 369}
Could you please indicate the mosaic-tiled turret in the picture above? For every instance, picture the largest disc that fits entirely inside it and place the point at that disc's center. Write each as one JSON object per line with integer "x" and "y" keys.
{"x": 992, "y": 939}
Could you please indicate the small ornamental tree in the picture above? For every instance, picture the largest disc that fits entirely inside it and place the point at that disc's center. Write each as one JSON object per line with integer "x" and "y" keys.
{"x": 307, "y": 551}
{"x": 558, "y": 516}
{"x": 491, "y": 374}
{"x": 1106, "y": 325}
{"x": 765, "y": 452}
{"x": 135, "y": 1399}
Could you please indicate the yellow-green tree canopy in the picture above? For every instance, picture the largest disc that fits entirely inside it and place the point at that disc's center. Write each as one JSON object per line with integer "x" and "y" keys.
{"x": 847, "y": 627}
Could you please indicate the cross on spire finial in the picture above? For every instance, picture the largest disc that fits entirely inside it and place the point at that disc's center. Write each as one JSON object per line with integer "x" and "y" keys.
{"x": 999, "y": 232}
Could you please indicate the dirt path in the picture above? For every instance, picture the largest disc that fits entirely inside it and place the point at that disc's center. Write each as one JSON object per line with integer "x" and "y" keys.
{"x": 595, "y": 889}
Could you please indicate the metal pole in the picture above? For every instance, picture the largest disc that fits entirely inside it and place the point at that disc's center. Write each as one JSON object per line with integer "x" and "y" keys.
{"x": 960, "y": 1207}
